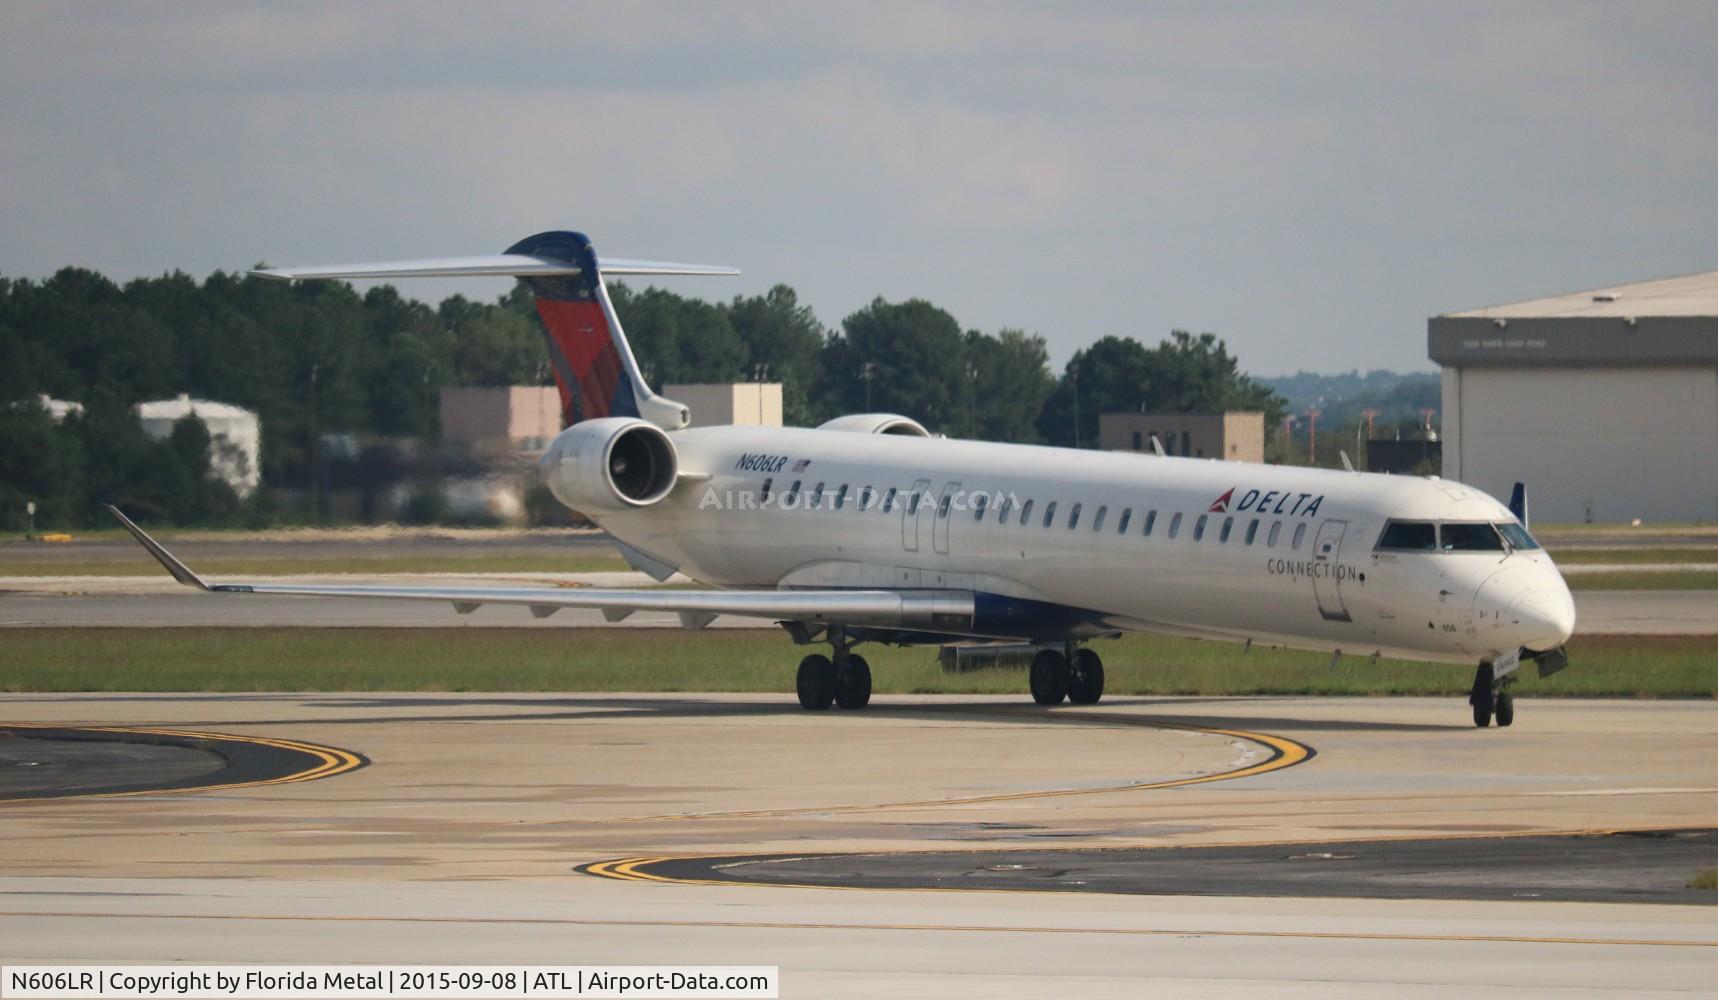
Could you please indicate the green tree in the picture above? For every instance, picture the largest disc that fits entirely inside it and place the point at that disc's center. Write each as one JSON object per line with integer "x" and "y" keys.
{"x": 915, "y": 356}
{"x": 1008, "y": 381}
{"x": 784, "y": 339}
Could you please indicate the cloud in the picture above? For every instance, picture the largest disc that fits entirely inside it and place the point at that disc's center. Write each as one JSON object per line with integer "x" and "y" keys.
{"x": 1310, "y": 182}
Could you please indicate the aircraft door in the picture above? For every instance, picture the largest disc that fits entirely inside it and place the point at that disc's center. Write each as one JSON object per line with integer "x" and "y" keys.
{"x": 1327, "y": 577}
{"x": 911, "y": 502}
{"x": 943, "y": 515}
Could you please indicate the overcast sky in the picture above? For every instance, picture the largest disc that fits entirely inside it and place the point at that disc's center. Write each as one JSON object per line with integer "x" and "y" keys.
{"x": 1309, "y": 182}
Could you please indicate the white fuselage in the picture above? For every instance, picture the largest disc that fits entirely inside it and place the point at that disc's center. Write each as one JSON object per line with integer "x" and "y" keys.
{"x": 1273, "y": 554}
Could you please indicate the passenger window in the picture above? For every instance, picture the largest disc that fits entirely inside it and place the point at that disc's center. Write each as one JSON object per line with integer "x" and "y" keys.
{"x": 816, "y": 499}
{"x": 1276, "y": 531}
{"x": 978, "y": 506}
{"x": 1002, "y": 510}
{"x": 1409, "y": 536}
{"x": 1098, "y": 521}
{"x": 1471, "y": 538}
{"x": 1026, "y": 512}
{"x": 1121, "y": 525}
{"x": 1150, "y": 521}
{"x": 766, "y": 490}
{"x": 1074, "y": 518}
{"x": 1199, "y": 527}
{"x": 792, "y": 494}
{"x": 1252, "y": 530}
{"x": 1299, "y": 534}
{"x": 1175, "y": 526}
{"x": 947, "y": 501}
{"x": 841, "y": 496}
{"x": 1228, "y": 526}
{"x": 1050, "y": 514}
{"x": 889, "y": 500}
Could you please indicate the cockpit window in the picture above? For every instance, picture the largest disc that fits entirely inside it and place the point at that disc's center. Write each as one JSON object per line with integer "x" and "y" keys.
{"x": 1516, "y": 535}
{"x": 1459, "y": 537}
{"x": 1409, "y": 536}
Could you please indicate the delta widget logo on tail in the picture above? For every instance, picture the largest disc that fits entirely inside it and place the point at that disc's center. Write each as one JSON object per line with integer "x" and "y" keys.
{"x": 1268, "y": 502}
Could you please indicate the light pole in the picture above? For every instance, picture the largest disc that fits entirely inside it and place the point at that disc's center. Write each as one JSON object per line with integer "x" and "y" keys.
{"x": 867, "y": 372}
{"x": 1074, "y": 381}
{"x": 759, "y": 374}
{"x": 972, "y": 401}
{"x": 1312, "y": 436}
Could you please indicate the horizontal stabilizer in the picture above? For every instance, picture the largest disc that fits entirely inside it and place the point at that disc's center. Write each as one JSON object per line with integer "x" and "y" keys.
{"x": 504, "y": 265}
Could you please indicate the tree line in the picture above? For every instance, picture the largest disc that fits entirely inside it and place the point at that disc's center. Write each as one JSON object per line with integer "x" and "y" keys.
{"x": 313, "y": 358}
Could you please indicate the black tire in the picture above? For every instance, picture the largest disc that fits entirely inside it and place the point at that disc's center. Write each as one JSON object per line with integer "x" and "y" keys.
{"x": 816, "y": 682}
{"x": 1483, "y": 696}
{"x": 853, "y": 683}
{"x": 1085, "y": 678}
{"x": 1505, "y": 709}
{"x": 1049, "y": 677}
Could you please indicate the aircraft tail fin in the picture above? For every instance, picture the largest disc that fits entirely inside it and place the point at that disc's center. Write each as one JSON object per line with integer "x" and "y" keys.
{"x": 593, "y": 365}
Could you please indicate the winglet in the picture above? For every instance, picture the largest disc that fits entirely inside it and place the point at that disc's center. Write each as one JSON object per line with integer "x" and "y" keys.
{"x": 1518, "y": 503}
{"x": 180, "y": 571}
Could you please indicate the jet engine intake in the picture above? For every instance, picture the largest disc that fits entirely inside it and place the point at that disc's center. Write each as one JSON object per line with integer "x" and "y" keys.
{"x": 613, "y": 463}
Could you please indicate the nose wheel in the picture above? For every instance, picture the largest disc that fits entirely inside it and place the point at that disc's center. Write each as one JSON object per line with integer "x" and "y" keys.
{"x": 1490, "y": 699}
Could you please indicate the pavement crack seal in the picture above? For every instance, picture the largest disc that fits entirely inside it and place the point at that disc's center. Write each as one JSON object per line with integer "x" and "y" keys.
{"x": 248, "y": 761}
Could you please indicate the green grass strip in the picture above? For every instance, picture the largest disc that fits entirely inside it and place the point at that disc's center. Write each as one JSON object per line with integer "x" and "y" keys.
{"x": 605, "y": 659}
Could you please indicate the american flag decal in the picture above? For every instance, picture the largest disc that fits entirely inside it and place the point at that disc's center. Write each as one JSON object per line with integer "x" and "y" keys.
{"x": 800, "y": 466}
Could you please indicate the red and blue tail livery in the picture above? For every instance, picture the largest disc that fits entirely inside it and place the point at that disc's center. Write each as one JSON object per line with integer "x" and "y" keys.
{"x": 593, "y": 365}
{"x": 591, "y": 360}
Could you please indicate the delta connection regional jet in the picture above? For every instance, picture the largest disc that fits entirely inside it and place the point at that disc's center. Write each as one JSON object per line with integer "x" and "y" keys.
{"x": 870, "y": 529}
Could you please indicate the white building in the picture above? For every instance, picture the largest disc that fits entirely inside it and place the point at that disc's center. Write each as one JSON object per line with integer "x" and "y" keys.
{"x": 235, "y": 437}
{"x": 756, "y": 404}
{"x": 1605, "y": 402}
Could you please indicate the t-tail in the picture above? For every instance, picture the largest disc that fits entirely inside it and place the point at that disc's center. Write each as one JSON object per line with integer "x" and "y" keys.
{"x": 592, "y": 362}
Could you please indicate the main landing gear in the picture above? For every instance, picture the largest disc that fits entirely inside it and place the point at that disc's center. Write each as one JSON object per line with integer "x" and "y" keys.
{"x": 1077, "y": 675}
{"x": 844, "y": 680}
{"x": 1490, "y": 698}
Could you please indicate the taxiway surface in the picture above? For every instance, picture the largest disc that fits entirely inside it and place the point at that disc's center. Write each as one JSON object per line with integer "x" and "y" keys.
{"x": 459, "y": 842}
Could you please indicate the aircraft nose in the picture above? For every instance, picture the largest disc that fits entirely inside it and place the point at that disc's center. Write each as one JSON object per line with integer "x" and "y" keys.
{"x": 1545, "y": 617}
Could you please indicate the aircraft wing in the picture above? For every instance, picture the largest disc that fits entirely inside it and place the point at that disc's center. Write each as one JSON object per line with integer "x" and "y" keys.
{"x": 914, "y": 609}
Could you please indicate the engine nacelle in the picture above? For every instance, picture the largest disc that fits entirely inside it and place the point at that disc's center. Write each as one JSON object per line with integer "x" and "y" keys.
{"x": 876, "y": 423}
{"x": 614, "y": 463}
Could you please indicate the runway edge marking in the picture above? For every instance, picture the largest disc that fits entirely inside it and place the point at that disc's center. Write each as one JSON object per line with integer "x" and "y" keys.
{"x": 331, "y": 761}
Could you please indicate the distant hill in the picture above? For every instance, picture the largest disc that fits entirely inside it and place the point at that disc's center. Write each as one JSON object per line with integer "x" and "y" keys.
{"x": 1399, "y": 396}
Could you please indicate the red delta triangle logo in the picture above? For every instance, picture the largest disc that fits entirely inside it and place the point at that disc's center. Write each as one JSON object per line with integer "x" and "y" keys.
{"x": 1222, "y": 504}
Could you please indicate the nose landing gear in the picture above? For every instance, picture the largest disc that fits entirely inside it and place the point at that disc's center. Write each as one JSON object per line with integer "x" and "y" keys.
{"x": 1490, "y": 698}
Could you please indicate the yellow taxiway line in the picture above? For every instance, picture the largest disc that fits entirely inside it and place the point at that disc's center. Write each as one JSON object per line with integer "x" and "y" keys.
{"x": 330, "y": 760}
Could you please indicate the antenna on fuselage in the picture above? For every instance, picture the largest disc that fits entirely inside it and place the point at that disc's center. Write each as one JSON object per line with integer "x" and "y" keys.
{"x": 1157, "y": 446}
{"x": 1346, "y": 464}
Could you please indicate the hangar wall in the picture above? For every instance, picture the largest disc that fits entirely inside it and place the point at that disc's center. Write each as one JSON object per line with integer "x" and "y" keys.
{"x": 1604, "y": 444}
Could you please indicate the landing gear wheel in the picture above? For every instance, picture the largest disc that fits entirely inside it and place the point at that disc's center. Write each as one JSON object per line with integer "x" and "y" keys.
{"x": 853, "y": 682}
{"x": 1505, "y": 708}
{"x": 1049, "y": 677}
{"x": 1085, "y": 678}
{"x": 1483, "y": 696}
{"x": 816, "y": 682}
